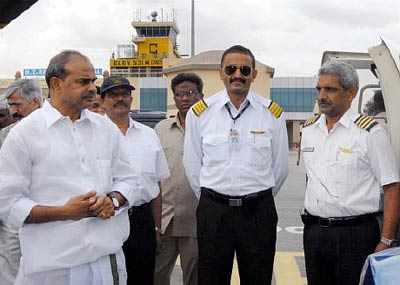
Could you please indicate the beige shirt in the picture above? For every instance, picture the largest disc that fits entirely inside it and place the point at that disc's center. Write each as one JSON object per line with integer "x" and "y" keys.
{"x": 178, "y": 200}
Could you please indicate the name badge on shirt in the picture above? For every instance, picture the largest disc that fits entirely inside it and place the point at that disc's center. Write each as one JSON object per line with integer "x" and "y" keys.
{"x": 345, "y": 150}
{"x": 307, "y": 149}
{"x": 255, "y": 133}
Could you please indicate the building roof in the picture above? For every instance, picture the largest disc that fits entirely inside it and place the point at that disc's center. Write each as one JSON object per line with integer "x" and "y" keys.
{"x": 206, "y": 60}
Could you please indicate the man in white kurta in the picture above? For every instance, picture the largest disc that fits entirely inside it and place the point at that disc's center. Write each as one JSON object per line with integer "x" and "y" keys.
{"x": 65, "y": 183}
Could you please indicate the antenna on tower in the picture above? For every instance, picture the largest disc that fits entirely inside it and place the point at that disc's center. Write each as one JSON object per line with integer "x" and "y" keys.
{"x": 192, "y": 32}
{"x": 154, "y": 15}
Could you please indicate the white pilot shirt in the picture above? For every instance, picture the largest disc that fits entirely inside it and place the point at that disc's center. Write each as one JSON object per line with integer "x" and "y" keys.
{"x": 346, "y": 167}
{"x": 255, "y": 158}
{"x": 146, "y": 156}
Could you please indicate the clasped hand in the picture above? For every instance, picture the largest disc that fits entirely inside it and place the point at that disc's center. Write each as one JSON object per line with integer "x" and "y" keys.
{"x": 89, "y": 205}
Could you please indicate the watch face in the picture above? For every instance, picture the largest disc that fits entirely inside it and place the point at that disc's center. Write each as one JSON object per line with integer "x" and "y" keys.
{"x": 115, "y": 202}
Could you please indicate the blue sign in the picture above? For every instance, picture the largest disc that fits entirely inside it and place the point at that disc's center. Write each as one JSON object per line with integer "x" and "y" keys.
{"x": 35, "y": 72}
{"x": 42, "y": 72}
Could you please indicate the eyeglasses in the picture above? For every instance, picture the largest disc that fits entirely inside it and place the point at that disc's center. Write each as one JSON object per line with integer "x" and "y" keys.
{"x": 245, "y": 70}
{"x": 189, "y": 94}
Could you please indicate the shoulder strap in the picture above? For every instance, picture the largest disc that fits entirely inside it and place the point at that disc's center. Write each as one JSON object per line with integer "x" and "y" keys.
{"x": 275, "y": 109}
{"x": 199, "y": 107}
{"x": 365, "y": 122}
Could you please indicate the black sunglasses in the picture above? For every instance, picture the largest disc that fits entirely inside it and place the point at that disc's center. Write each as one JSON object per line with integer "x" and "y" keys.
{"x": 245, "y": 70}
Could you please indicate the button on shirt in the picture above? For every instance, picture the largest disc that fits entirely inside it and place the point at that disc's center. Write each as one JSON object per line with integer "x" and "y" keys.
{"x": 45, "y": 160}
{"x": 178, "y": 200}
{"x": 346, "y": 167}
{"x": 146, "y": 157}
{"x": 252, "y": 158}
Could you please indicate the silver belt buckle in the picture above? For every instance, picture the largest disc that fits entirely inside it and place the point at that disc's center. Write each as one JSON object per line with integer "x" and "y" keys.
{"x": 235, "y": 202}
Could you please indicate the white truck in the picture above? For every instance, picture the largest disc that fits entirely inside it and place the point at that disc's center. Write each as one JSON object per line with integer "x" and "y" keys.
{"x": 378, "y": 69}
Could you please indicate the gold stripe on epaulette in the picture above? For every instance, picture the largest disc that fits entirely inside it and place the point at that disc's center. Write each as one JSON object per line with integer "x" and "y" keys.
{"x": 365, "y": 122}
{"x": 311, "y": 120}
{"x": 275, "y": 109}
{"x": 199, "y": 107}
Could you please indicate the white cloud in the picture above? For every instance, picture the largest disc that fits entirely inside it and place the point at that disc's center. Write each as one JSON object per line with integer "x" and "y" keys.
{"x": 289, "y": 35}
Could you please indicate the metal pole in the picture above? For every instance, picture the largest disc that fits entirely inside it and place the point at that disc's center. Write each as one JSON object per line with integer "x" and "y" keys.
{"x": 192, "y": 34}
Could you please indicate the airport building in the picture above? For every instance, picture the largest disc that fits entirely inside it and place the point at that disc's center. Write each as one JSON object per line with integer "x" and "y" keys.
{"x": 152, "y": 60}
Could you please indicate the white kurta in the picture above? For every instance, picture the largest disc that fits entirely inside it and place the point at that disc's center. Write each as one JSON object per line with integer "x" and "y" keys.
{"x": 146, "y": 157}
{"x": 47, "y": 159}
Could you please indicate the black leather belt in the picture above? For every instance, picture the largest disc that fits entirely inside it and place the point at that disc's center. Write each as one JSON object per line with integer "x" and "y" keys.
{"x": 136, "y": 209}
{"x": 338, "y": 221}
{"x": 234, "y": 201}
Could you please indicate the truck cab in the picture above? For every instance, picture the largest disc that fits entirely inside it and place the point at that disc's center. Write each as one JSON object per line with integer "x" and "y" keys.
{"x": 378, "y": 70}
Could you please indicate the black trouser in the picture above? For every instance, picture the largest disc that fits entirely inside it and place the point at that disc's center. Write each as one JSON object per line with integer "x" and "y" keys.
{"x": 140, "y": 247}
{"x": 249, "y": 230}
{"x": 336, "y": 254}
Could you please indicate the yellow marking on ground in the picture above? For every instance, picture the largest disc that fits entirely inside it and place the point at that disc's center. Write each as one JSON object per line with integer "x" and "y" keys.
{"x": 286, "y": 270}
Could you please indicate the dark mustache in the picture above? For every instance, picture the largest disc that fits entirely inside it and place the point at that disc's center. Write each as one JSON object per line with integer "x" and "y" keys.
{"x": 237, "y": 79}
{"x": 323, "y": 102}
{"x": 17, "y": 116}
{"x": 89, "y": 95}
{"x": 120, "y": 103}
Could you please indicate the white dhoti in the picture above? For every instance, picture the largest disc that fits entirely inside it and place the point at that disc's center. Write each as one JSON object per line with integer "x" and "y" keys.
{"x": 10, "y": 254}
{"x": 107, "y": 270}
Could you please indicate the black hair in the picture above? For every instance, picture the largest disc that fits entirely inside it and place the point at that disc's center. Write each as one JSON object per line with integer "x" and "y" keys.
{"x": 242, "y": 50}
{"x": 191, "y": 77}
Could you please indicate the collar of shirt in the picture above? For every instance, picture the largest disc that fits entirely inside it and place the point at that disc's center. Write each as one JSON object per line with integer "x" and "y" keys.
{"x": 346, "y": 120}
{"x": 176, "y": 123}
{"x": 52, "y": 115}
{"x": 225, "y": 99}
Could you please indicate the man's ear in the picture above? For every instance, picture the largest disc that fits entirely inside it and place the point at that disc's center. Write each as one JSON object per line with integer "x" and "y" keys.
{"x": 37, "y": 101}
{"x": 55, "y": 83}
{"x": 352, "y": 93}
{"x": 254, "y": 75}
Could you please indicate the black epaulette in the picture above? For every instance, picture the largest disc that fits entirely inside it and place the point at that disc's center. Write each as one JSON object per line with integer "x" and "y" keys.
{"x": 199, "y": 107}
{"x": 311, "y": 120}
{"x": 365, "y": 122}
{"x": 275, "y": 109}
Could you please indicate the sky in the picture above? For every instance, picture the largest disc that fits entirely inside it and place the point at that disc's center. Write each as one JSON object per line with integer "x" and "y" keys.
{"x": 288, "y": 35}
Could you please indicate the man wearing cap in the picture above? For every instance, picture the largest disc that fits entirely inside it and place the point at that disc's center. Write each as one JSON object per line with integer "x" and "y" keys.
{"x": 147, "y": 158}
{"x": 23, "y": 96}
{"x": 65, "y": 183}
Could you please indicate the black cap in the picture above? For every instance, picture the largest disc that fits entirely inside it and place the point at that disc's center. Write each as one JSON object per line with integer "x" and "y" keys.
{"x": 115, "y": 81}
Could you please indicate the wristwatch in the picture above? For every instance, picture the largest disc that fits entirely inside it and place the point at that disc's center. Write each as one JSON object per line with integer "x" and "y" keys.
{"x": 387, "y": 242}
{"x": 114, "y": 200}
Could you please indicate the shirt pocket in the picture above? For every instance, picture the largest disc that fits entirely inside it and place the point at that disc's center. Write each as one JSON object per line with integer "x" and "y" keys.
{"x": 104, "y": 175}
{"x": 145, "y": 162}
{"x": 215, "y": 150}
{"x": 150, "y": 161}
{"x": 343, "y": 172}
{"x": 258, "y": 151}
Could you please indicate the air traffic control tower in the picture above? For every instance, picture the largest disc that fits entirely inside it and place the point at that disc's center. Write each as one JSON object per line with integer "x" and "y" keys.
{"x": 142, "y": 61}
{"x": 154, "y": 41}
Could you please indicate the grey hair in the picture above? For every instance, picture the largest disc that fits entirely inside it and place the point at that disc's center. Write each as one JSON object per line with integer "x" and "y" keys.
{"x": 29, "y": 89}
{"x": 345, "y": 72}
{"x": 3, "y": 104}
{"x": 56, "y": 67}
